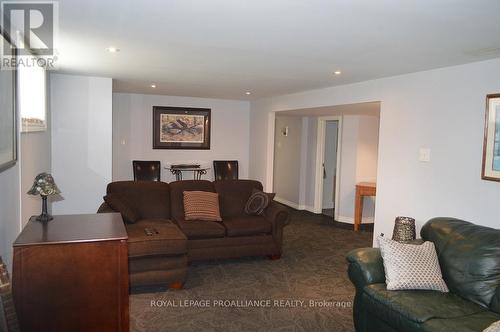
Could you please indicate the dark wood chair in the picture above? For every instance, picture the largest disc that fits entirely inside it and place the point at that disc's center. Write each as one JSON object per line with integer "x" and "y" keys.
{"x": 146, "y": 170}
{"x": 8, "y": 317}
{"x": 226, "y": 169}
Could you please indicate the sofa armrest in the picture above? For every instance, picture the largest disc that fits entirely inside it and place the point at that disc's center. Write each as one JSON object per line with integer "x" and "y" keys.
{"x": 277, "y": 214}
{"x": 105, "y": 208}
{"x": 365, "y": 267}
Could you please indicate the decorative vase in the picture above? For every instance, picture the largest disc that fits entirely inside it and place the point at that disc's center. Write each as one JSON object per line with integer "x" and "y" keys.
{"x": 404, "y": 229}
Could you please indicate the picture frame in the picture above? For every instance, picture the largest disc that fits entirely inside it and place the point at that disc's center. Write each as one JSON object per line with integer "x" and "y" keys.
{"x": 8, "y": 108}
{"x": 491, "y": 144}
{"x": 185, "y": 128}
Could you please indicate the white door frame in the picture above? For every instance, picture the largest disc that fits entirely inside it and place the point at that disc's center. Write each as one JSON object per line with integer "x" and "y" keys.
{"x": 269, "y": 176}
{"x": 320, "y": 159}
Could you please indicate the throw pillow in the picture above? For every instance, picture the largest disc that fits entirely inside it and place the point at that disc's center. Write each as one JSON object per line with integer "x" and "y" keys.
{"x": 258, "y": 202}
{"x": 201, "y": 205}
{"x": 411, "y": 266}
{"x": 120, "y": 204}
{"x": 495, "y": 327}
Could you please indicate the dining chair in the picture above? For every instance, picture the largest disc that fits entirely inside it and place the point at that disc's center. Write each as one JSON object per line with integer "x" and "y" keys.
{"x": 226, "y": 169}
{"x": 146, "y": 170}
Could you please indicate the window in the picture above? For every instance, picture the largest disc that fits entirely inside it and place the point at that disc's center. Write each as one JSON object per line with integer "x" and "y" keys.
{"x": 32, "y": 99}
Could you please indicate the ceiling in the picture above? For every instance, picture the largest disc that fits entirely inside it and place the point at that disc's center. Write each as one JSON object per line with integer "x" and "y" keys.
{"x": 224, "y": 48}
{"x": 367, "y": 109}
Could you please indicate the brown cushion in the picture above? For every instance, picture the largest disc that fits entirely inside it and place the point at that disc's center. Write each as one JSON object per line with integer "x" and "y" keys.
{"x": 201, "y": 229}
{"x": 149, "y": 199}
{"x": 120, "y": 204}
{"x": 247, "y": 225}
{"x": 234, "y": 194}
{"x": 161, "y": 278}
{"x": 177, "y": 190}
{"x": 201, "y": 205}
{"x": 258, "y": 202}
{"x": 155, "y": 263}
{"x": 169, "y": 240}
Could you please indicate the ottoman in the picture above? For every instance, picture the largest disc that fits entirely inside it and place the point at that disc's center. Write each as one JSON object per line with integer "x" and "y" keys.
{"x": 157, "y": 252}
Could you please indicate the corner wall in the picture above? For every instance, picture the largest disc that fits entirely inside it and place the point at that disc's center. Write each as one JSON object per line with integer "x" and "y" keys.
{"x": 441, "y": 109}
{"x": 81, "y": 113}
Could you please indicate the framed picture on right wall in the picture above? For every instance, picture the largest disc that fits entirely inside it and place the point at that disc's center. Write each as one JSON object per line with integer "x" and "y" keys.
{"x": 491, "y": 147}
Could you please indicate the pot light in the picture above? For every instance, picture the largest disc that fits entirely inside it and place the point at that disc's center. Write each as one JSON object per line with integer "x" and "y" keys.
{"x": 112, "y": 49}
{"x": 248, "y": 93}
{"x": 337, "y": 72}
{"x": 153, "y": 86}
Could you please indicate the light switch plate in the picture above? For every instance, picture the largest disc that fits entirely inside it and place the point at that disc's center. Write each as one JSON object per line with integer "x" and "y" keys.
{"x": 424, "y": 155}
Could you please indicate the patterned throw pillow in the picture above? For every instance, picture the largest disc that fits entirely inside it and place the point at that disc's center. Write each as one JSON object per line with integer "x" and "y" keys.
{"x": 201, "y": 205}
{"x": 411, "y": 266}
{"x": 495, "y": 327}
{"x": 258, "y": 202}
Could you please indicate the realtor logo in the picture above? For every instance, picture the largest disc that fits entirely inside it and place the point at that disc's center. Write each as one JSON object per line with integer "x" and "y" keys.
{"x": 30, "y": 25}
{"x": 32, "y": 28}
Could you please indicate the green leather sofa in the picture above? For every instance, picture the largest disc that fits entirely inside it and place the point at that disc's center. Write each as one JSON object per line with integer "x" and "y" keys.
{"x": 469, "y": 256}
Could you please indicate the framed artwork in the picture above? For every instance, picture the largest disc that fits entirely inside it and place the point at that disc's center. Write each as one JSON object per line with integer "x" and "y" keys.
{"x": 8, "y": 114}
{"x": 491, "y": 145}
{"x": 181, "y": 128}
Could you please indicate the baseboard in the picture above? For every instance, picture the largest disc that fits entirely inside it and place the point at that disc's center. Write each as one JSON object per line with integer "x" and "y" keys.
{"x": 350, "y": 220}
{"x": 287, "y": 203}
{"x": 294, "y": 205}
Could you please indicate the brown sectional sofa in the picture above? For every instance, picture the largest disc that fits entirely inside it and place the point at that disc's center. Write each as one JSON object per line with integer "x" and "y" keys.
{"x": 161, "y": 259}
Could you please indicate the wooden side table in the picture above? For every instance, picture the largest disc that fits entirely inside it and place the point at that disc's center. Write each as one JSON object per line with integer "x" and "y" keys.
{"x": 362, "y": 189}
{"x": 71, "y": 274}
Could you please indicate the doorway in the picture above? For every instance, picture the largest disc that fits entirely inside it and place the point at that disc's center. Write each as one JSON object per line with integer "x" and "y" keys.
{"x": 305, "y": 172}
{"x": 328, "y": 165}
{"x": 330, "y": 168}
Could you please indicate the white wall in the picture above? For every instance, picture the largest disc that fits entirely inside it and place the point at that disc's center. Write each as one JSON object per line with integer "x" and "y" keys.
{"x": 81, "y": 110}
{"x": 10, "y": 211}
{"x": 132, "y": 133}
{"x": 440, "y": 109}
{"x": 287, "y": 159}
{"x": 34, "y": 159}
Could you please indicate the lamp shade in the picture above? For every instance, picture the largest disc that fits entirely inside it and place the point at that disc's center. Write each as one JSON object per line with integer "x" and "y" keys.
{"x": 44, "y": 185}
{"x": 404, "y": 229}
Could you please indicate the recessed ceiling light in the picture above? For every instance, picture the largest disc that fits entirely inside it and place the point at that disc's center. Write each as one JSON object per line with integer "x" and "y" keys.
{"x": 112, "y": 49}
{"x": 248, "y": 93}
{"x": 153, "y": 86}
{"x": 337, "y": 72}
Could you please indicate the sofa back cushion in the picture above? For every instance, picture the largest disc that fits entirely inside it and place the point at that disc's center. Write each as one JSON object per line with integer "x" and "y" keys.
{"x": 149, "y": 199}
{"x": 177, "y": 190}
{"x": 234, "y": 194}
{"x": 469, "y": 256}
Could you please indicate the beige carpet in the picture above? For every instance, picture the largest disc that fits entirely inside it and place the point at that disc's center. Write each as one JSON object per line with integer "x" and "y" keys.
{"x": 257, "y": 294}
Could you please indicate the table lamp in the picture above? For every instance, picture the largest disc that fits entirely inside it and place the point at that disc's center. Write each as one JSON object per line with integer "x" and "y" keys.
{"x": 44, "y": 186}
